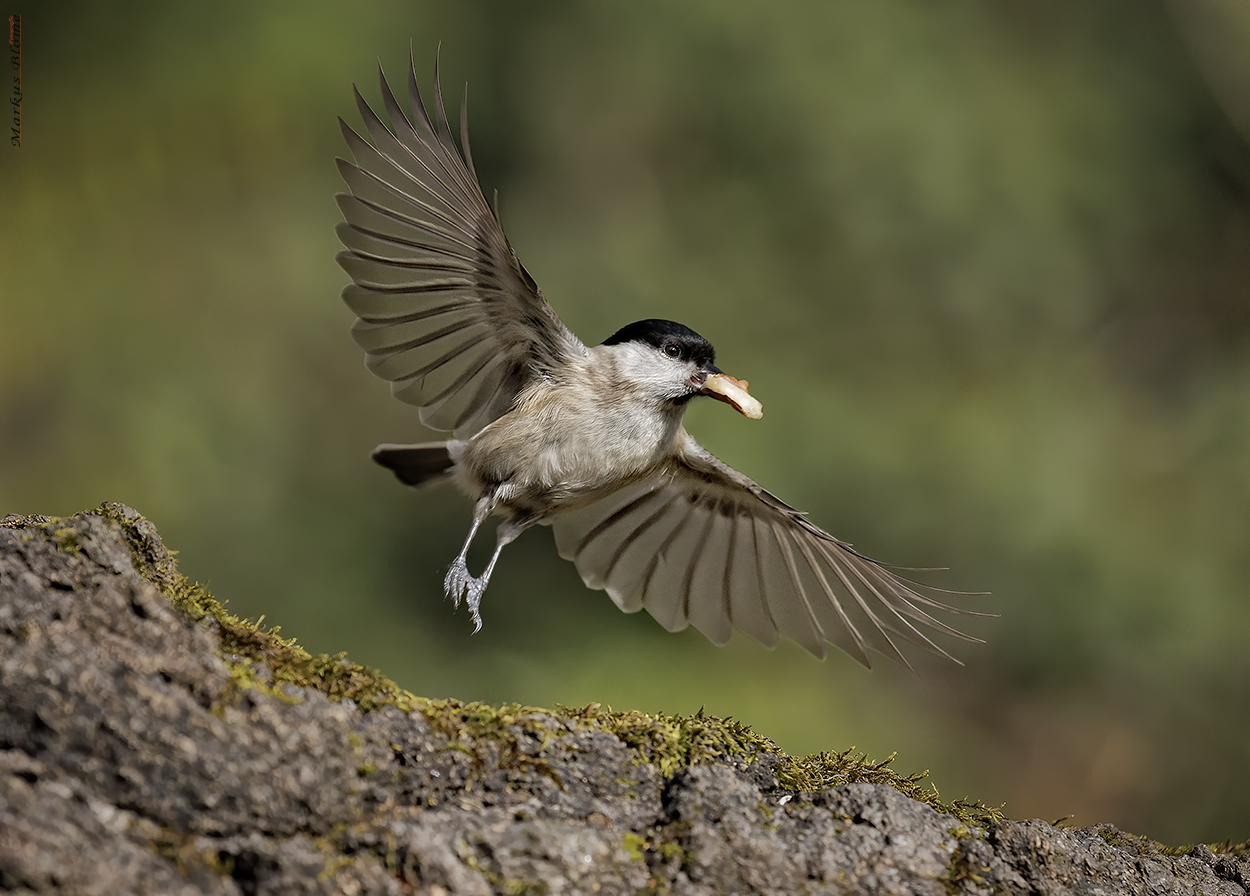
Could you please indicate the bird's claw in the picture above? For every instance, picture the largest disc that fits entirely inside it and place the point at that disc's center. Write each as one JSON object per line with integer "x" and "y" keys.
{"x": 460, "y": 584}
{"x": 457, "y": 581}
{"x": 476, "y": 589}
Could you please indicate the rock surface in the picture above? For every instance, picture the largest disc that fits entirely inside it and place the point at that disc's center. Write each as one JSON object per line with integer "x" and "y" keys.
{"x": 138, "y": 754}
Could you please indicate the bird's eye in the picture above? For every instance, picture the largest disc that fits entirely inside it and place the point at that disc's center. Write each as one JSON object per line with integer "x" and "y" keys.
{"x": 671, "y": 350}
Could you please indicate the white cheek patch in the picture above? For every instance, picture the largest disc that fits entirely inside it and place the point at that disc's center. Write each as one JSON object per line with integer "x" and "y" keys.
{"x": 734, "y": 392}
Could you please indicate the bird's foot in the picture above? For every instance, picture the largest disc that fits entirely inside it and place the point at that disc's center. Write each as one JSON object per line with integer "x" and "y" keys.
{"x": 457, "y": 580}
{"x": 460, "y": 584}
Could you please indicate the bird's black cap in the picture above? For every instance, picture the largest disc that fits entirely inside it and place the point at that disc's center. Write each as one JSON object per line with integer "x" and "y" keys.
{"x": 670, "y": 337}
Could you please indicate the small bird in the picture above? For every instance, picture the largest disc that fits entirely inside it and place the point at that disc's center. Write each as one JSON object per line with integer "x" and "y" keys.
{"x": 588, "y": 440}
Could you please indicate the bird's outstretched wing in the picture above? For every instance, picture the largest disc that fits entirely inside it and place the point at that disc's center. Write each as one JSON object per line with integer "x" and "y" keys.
{"x": 445, "y": 310}
{"x": 700, "y": 544}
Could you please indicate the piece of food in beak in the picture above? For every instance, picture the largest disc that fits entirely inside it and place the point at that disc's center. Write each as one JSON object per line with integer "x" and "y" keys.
{"x": 723, "y": 387}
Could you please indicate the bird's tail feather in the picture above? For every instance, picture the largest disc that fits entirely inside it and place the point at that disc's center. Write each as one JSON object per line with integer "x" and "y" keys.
{"x": 416, "y": 465}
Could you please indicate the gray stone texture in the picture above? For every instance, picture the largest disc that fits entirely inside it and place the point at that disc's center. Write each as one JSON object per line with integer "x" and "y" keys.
{"x": 132, "y": 762}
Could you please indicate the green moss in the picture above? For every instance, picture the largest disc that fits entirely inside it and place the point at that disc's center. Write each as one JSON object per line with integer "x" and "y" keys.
{"x": 179, "y": 847}
{"x": 962, "y": 870}
{"x": 1136, "y": 843}
{"x": 669, "y": 742}
{"x": 510, "y": 885}
{"x": 676, "y": 742}
{"x": 244, "y": 677}
{"x": 1112, "y": 837}
{"x": 1227, "y": 848}
{"x": 494, "y": 733}
{"x": 670, "y": 850}
{"x": 245, "y": 641}
{"x": 333, "y": 865}
{"x": 833, "y": 769}
{"x": 635, "y": 845}
{"x": 673, "y": 742}
{"x": 65, "y": 537}
{"x": 66, "y": 540}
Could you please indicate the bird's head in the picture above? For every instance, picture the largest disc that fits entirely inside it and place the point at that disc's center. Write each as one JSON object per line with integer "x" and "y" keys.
{"x": 674, "y": 363}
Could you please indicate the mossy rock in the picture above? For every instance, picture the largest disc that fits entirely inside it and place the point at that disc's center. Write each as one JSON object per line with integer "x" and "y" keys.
{"x": 156, "y": 742}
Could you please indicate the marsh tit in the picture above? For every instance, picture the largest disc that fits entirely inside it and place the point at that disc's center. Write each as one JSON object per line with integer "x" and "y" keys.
{"x": 587, "y": 440}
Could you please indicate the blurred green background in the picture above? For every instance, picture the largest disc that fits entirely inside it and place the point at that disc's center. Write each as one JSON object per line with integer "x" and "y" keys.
{"x": 986, "y": 264}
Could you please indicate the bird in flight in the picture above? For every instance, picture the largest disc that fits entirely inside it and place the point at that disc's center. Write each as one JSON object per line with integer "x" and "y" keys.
{"x": 585, "y": 439}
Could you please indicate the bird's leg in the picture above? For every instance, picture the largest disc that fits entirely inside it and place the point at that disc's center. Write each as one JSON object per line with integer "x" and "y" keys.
{"x": 504, "y": 535}
{"x": 458, "y": 577}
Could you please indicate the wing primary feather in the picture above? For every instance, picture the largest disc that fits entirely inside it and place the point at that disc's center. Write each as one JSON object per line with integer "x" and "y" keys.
{"x": 832, "y": 597}
{"x": 901, "y": 605}
{"x": 405, "y": 264}
{"x": 436, "y": 135}
{"x": 384, "y": 140}
{"x": 880, "y": 625}
{"x": 727, "y": 574}
{"x": 390, "y": 273}
{"x": 420, "y": 116}
{"x": 748, "y": 608}
{"x": 444, "y": 129}
{"x": 413, "y": 289}
{"x": 368, "y": 157}
{"x": 411, "y": 317}
{"x": 381, "y": 339}
{"x": 425, "y": 339}
{"x": 864, "y": 606}
{"x": 361, "y": 179}
{"x": 394, "y": 240}
{"x": 846, "y": 546}
{"x": 407, "y": 379}
{"x": 374, "y": 218}
{"x": 464, "y": 135}
{"x": 378, "y": 306}
{"x": 443, "y": 152}
{"x": 903, "y": 587}
{"x": 759, "y": 574}
{"x": 787, "y": 554}
{"x": 410, "y": 221}
{"x": 423, "y": 288}
{"x": 855, "y": 594}
{"x": 448, "y": 143}
{"x": 398, "y": 117}
{"x": 695, "y": 557}
{"x": 440, "y": 151}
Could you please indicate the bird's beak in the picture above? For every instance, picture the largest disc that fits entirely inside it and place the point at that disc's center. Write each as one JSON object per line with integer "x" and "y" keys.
{"x": 723, "y": 387}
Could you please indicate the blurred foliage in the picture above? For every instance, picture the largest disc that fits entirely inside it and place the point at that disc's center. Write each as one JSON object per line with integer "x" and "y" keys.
{"x": 987, "y": 265}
